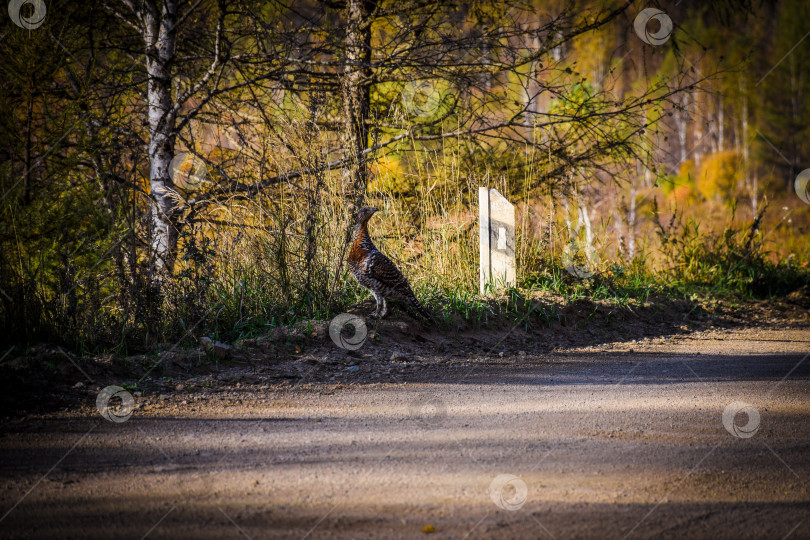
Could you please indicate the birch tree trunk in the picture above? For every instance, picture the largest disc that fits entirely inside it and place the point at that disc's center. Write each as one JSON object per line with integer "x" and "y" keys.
{"x": 531, "y": 93}
{"x": 160, "y": 38}
{"x": 698, "y": 133}
{"x": 28, "y": 146}
{"x": 721, "y": 125}
{"x": 681, "y": 124}
{"x": 743, "y": 141}
{"x": 631, "y": 225}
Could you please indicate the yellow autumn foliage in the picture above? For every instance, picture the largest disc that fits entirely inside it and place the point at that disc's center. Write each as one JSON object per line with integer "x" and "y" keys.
{"x": 719, "y": 175}
{"x": 687, "y": 168}
{"x": 387, "y": 174}
{"x": 683, "y": 195}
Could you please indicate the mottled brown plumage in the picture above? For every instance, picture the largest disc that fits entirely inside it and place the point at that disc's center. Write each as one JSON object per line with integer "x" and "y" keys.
{"x": 376, "y": 272}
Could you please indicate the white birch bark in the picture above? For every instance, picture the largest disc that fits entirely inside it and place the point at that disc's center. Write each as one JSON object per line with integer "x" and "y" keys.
{"x": 159, "y": 20}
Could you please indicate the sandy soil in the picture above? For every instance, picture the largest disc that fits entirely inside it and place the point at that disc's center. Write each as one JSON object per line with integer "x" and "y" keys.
{"x": 618, "y": 439}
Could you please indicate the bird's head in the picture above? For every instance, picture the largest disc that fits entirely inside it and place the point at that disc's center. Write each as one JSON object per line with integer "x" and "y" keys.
{"x": 365, "y": 213}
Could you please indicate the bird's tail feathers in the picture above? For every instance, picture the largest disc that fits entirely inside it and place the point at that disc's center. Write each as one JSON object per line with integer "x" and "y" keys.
{"x": 414, "y": 305}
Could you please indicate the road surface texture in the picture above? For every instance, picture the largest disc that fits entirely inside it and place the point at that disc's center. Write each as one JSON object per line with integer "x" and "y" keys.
{"x": 618, "y": 440}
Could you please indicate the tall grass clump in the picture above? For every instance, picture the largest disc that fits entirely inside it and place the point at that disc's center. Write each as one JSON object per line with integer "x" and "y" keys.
{"x": 733, "y": 260}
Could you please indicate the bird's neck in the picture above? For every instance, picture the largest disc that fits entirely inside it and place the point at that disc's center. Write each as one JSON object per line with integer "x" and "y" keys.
{"x": 361, "y": 237}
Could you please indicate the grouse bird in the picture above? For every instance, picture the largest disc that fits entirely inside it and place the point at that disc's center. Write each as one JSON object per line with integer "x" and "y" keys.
{"x": 376, "y": 272}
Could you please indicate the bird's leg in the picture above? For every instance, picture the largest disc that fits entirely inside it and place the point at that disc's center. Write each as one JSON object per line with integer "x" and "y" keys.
{"x": 382, "y": 309}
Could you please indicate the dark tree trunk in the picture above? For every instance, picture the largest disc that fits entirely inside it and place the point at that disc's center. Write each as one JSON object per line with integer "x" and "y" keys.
{"x": 357, "y": 91}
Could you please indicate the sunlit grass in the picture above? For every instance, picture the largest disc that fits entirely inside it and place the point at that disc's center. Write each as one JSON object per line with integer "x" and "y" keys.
{"x": 249, "y": 266}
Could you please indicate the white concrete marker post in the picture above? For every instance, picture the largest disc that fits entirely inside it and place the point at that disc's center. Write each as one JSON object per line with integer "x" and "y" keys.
{"x": 497, "y": 240}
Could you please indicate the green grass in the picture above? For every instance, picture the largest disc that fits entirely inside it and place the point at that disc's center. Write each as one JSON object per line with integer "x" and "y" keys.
{"x": 233, "y": 285}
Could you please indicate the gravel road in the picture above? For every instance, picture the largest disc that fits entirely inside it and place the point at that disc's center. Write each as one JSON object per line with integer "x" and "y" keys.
{"x": 621, "y": 440}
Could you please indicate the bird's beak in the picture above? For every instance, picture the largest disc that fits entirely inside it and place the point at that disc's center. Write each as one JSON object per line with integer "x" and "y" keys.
{"x": 374, "y": 209}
